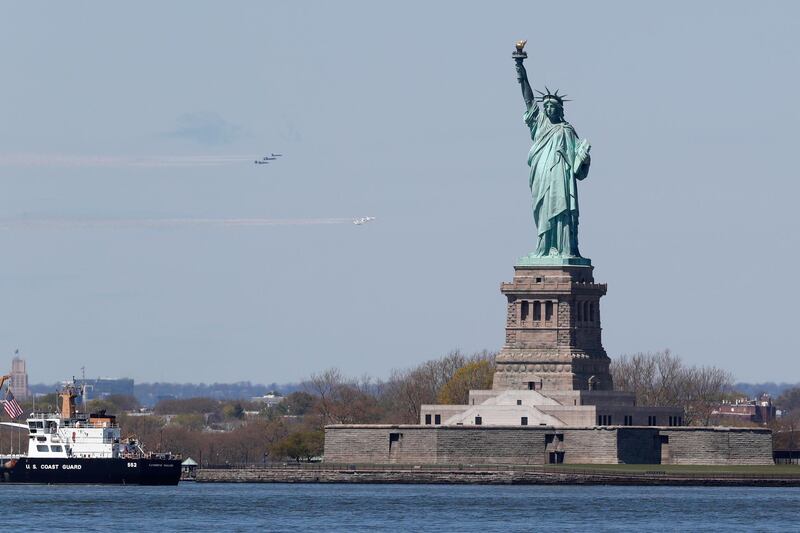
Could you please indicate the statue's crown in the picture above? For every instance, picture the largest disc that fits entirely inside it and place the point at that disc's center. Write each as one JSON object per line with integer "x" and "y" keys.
{"x": 551, "y": 95}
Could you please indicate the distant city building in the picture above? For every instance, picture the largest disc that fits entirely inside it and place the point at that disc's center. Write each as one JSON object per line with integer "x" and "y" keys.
{"x": 149, "y": 394}
{"x": 19, "y": 379}
{"x": 104, "y": 387}
{"x": 269, "y": 399}
{"x": 162, "y": 397}
{"x": 759, "y": 410}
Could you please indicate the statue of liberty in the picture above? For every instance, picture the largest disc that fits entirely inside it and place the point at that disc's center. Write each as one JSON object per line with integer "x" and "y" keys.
{"x": 557, "y": 159}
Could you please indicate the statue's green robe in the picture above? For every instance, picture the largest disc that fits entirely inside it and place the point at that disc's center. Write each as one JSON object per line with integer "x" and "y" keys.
{"x": 555, "y": 167}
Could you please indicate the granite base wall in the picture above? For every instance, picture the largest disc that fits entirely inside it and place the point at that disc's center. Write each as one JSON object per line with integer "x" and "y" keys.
{"x": 477, "y": 446}
{"x": 716, "y": 446}
{"x": 532, "y": 445}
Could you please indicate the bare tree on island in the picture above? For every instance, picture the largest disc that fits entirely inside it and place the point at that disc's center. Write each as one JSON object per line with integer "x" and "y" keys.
{"x": 663, "y": 379}
{"x": 343, "y": 400}
{"x": 408, "y": 389}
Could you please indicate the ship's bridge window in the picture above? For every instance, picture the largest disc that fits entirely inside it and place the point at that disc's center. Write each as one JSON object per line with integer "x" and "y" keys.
{"x": 41, "y": 439}
{"x": 42, "y": 447}
{"x": 56, "y": 448}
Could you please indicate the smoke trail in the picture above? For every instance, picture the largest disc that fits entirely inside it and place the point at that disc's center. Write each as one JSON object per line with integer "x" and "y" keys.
{"x": 84, "y": 161}
{"x": 69, "y": 223}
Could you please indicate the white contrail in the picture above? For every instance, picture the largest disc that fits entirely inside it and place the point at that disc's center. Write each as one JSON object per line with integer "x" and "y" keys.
{"x": 82, "y": 161}
{"x": 57, "y": 223}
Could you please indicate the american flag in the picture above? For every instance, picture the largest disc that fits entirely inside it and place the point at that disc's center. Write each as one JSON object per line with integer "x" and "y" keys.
{"x": 11, "y": 406}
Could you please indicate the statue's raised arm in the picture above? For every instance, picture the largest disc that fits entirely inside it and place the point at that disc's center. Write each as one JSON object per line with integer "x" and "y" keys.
{"x": 522, "y": 75}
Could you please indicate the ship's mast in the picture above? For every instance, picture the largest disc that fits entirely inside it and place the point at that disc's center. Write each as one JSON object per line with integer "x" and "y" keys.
{"x": 83, "y": 387}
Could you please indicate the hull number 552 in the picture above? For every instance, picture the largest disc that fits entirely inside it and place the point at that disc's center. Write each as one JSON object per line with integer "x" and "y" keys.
{"x": 131, "y": 465}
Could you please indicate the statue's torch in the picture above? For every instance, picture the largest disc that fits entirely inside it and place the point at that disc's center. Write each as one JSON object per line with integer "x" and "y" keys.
{"x": 519, "y": 54}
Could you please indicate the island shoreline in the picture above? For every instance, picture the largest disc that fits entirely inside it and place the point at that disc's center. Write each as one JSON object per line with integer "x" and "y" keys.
{"x": 503, "y": 475}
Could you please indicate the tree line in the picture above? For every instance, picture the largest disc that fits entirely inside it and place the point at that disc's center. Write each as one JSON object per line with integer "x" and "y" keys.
{"x": 664, "y": 379}
{"x": 294, "y": 428}
{"x": 236, "y": 431}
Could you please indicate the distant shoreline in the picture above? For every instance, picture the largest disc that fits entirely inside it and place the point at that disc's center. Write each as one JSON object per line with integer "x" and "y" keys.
{"x": 508, "y": 475}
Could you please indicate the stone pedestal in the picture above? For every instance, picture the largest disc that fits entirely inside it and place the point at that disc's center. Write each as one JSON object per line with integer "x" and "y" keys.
{"x": 553, "y": 331}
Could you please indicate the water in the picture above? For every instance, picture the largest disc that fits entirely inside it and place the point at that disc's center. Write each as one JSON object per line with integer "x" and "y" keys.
{"x": 279, "y": 507}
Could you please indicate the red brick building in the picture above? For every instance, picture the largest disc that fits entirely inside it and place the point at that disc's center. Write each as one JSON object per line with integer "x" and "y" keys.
{"x": 760, "y": 410}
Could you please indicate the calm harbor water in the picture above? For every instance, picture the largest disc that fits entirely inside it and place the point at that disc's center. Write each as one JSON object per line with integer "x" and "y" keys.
{"x": 278, "y": 507}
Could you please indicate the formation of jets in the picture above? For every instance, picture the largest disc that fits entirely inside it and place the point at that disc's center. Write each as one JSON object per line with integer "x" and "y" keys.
{"x": 267, "y": 158}
{"x": 273, "y": 156}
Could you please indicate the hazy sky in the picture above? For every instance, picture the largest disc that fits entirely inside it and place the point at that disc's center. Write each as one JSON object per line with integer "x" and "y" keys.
{"x": 115, "y": 117}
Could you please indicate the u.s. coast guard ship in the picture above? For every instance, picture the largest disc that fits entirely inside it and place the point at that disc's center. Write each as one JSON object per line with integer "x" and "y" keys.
{"x": 73, "y": 447}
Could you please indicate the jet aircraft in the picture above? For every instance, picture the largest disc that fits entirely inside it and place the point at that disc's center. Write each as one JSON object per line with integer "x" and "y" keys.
{"x": 267, "y": 158}
{"x": 362, "y": 220}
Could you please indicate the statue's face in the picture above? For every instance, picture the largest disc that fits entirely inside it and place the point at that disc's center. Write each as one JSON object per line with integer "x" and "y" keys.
{"x": 552, "y": 110}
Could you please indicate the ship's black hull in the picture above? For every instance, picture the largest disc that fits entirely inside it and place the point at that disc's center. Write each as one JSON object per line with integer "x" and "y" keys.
{"x": 91, "y": 471}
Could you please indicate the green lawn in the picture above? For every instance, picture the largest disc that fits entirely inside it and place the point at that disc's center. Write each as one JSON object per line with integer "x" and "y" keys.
{"x": 687, "y": 469}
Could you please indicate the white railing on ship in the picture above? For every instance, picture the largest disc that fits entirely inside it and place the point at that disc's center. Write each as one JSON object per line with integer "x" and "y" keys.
{"x": 56, "y": 417}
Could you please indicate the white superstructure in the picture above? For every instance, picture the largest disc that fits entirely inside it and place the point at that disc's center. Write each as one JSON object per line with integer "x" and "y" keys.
{"x": 53, "y": 436}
